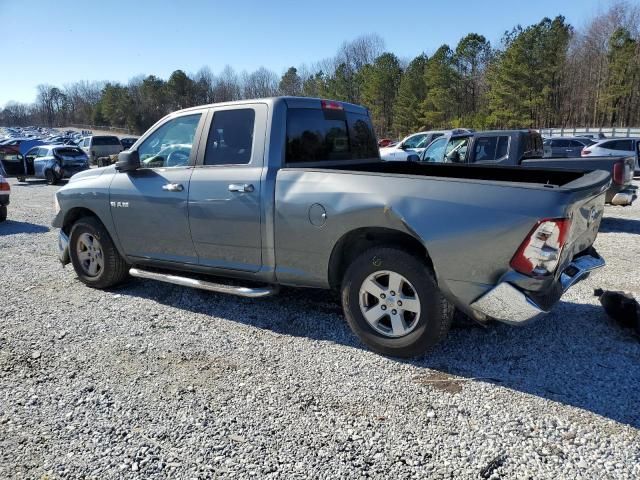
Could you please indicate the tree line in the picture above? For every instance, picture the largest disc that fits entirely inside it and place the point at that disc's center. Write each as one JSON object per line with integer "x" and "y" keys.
{"x": 549, "y": 74}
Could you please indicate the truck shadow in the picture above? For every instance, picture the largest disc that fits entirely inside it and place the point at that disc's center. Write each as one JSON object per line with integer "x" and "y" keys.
{"x": 575, "y": 356}
{"x": 11, "y": 227}
{"x": 619, "y": 225}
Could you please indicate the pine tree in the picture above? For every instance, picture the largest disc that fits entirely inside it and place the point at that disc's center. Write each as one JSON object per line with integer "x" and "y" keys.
{"x": 290, "y": 83}
{"x": 440, "y": 77}
{"x": 379, "y": 86}
{"x": 411, "y": 93}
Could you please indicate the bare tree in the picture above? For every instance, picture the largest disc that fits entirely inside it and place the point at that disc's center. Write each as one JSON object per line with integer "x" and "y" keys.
{"x": 260, "y": 84}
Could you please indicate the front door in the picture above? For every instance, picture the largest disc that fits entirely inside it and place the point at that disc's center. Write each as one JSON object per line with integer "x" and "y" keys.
{"x": 226, "y": 188}
{"x": 149, "y": 206}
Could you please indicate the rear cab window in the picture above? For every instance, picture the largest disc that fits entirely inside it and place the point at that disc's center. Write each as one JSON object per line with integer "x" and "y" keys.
{"x": 319, "y": 135}
{"x": 70, "y": 152}
{"x": 106, "y": 140}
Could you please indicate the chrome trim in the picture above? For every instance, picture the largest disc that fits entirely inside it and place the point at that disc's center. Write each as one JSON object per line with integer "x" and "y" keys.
{"x": 507, "y": 304}
{"x": 624, "y": 198}
{"x": 203, "y": 285}
{"x": 579, "y": 269}
{"x": 63, "y": 248}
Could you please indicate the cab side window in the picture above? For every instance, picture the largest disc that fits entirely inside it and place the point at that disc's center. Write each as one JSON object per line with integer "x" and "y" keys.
{"x": 231, "y": 137}
{"x": 170, "y": 144}
{"x": 489, "y": 149}
{"x": 435, "y": 151}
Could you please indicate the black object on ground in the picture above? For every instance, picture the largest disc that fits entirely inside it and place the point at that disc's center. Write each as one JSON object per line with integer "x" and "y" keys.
{"x": 622, "y": 307}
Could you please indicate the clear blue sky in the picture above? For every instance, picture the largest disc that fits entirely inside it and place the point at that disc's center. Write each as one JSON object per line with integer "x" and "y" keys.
{"x": 62, "y": 41}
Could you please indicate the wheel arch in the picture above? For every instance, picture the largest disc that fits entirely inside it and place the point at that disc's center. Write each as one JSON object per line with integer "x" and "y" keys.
{"x": 354, "y": 242}
{"x": 75, "y": 214}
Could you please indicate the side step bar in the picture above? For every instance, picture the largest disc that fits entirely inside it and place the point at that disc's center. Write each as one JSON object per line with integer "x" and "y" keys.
{"x": 203, "y": 285}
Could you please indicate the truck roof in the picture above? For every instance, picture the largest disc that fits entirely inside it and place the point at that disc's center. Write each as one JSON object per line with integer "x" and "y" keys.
{"x": 291, "y": 102}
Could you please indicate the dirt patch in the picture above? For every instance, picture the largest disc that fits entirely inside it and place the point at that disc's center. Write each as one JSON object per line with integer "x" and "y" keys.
{"x": 441, "y": 381}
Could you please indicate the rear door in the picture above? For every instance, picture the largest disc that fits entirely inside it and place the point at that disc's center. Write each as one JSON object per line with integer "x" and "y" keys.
{"x": 149, "y": 206}
{"x": 226, "y": 186}
{"x": 12, "y": 163}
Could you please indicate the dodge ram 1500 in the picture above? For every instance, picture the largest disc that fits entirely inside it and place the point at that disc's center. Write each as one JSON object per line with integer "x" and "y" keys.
{"x": 292, "y": 191}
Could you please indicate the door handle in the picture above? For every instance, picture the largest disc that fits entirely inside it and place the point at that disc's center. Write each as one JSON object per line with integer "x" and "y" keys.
{"x": 173, "y": 187}
{"x": 244, "y": 188}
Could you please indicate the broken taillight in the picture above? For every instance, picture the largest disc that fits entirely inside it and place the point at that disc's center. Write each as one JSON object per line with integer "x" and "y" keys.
{"x": 621, "y": 172}
{"x": 539, "y": 254}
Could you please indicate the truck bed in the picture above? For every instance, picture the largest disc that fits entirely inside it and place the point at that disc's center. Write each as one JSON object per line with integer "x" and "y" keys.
{"x": 549, "y": 178}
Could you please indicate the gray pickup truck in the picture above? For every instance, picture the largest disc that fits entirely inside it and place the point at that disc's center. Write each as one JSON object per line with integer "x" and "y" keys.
{"x": 291, "y": 191}
{"x": 525, "y": 148}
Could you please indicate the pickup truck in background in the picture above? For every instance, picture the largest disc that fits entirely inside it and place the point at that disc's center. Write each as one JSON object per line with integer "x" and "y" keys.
{"x": 292, "y": 191}
{"x": 99, "y": 146}
{"x": 525, "y": 148}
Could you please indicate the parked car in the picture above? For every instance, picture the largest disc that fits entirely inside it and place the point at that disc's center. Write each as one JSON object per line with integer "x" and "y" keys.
{"x": 97, "y": 146}
{"x": 51, "y": 162}
{"x": 292, "y": 191}
{"x": 616, "y": 147}
{"x": 525, "y": 148}
{"x": 5, "y": 191}
{"x": 385, "y": 142}
{"x": 565, "y": 146}
{"x": 23, "y": 144}
{"x": 593, "y": 136}
{"x": 127, "y": 142}
{"x": 414, "y": 144}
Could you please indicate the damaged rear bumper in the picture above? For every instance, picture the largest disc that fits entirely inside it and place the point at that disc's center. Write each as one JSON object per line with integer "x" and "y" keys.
{"x": 507, "y": 304}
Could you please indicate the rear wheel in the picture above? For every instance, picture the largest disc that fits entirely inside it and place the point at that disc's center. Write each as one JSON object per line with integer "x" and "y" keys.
{"x": 51, "y": 177}
{"x": 392, "y": 303}
{"x": 94, "y": 256}
{"x": 3, "y": 213}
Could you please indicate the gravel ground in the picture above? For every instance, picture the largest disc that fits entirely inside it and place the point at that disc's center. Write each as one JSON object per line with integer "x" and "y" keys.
{"x": 156, "y": 381}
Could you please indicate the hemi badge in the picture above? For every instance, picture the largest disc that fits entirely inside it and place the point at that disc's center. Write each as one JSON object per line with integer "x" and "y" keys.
{"x": 119, "y": 204}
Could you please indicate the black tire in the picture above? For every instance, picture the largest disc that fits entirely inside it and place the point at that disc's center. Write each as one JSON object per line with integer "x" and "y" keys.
{"x": 115, "y": 270}
{"x": 3, "y": 213}
{"x": 51, "y": 177}
{"x": 436, "y": 312}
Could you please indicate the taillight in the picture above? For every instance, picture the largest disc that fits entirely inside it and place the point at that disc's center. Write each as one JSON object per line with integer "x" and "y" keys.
{"x": 539, "y": 254}
{"x": 620, "y": 172}
{"x": 585, "y": 152}
{"x": 329, "y": 105}
{"x": 4, "y": 186}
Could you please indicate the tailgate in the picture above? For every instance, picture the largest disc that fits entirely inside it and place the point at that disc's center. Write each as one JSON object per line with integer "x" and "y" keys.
{"x": 585, "y": 208}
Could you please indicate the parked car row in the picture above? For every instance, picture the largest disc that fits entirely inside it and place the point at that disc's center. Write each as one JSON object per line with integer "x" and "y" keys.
{"x": 525, "y": 148}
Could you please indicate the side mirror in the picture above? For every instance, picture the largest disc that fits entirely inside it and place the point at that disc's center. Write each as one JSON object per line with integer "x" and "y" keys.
{"x": 128, "y": 161}
{"x": 402, "y": 146}
{"x": 412, "y": 157}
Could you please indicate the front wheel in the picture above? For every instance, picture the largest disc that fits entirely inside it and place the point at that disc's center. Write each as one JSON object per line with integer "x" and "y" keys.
{"x": 392, "y": 303}
{"x": 94, "y": 256}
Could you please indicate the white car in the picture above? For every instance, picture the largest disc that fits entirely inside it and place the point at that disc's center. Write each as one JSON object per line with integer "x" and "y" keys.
{"x": 414, "y": 144}
{"x": 619, "y": 147}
